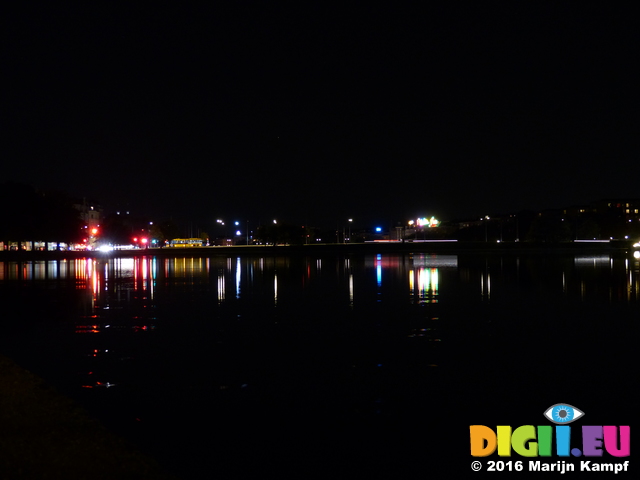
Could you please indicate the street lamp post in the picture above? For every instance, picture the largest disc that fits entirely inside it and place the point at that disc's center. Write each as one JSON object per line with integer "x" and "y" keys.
{"x": 224, "y": 232}
{"x": 486, "y": 218}
{"x": 275, "y": 233}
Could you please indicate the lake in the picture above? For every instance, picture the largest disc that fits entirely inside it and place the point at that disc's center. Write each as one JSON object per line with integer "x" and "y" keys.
{"x": 303, "y": 365}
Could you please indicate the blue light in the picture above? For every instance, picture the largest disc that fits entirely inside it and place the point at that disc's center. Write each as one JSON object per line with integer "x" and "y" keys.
{"x": 378, "y": 229}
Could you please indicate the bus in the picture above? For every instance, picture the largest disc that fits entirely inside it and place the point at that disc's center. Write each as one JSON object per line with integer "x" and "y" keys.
{"x": 186, "y": 242}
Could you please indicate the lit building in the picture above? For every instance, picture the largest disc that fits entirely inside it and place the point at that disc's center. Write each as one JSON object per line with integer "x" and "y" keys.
{"x": 628, "y": 208}
{"x": 91, "y": 216}
{"x": 90, "y": 213}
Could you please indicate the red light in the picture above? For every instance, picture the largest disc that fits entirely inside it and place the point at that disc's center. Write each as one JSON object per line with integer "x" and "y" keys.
{"x": 94, "y": 231}
{"x": 135, "y": 239}
{"x": 143, "y": 240}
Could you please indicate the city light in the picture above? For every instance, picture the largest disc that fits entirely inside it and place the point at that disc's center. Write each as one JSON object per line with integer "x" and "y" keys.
{"x": 426, "y": 222}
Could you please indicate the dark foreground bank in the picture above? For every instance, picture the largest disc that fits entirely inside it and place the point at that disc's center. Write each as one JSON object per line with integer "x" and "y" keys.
{"x": 45, "y": 435}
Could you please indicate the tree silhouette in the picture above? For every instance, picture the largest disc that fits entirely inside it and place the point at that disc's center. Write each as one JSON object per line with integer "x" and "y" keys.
{"x": 30, "y": 215}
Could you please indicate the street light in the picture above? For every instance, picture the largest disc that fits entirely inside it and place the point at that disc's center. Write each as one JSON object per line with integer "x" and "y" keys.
{"x": 486, "y": 217}
{"x": 220, "y": 222}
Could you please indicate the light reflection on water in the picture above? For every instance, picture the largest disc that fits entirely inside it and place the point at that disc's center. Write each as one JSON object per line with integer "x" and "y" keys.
{"x": 356, "y": 336}
{"x": 423, "y": 274}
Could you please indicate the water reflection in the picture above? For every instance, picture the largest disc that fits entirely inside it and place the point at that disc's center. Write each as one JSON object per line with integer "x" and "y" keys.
{"x": 238, "y": 276}
{"x": 275, "y": 289}
{"x": 35, "y": 270}
{"x": 344, "y": 336}
{"x": 221, "y": 286}
{"x": 146, "y": 277}
{"x": 427, "y": 284}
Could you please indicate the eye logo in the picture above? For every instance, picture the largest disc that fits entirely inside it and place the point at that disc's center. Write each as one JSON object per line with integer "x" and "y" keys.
{"x": 563, "y": 413}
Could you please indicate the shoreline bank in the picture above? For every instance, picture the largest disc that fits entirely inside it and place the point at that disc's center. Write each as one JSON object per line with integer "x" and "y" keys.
{"x": 46, "y": 435}
{"x": 618, "y": 247}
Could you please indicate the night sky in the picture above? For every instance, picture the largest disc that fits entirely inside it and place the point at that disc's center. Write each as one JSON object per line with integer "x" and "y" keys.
{"x": 316, "y": 113}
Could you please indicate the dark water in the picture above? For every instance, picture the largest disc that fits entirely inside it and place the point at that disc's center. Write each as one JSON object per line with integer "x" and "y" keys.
{"x": 299, "y": 366}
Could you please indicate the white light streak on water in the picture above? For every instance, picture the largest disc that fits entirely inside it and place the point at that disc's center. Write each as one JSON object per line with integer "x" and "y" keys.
{"x": 275, "y": 289}
{"x": 351, "y": 290}
{"x": 238, "y": 276}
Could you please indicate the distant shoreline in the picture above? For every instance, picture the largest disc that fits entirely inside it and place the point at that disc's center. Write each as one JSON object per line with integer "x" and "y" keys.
{"x": 615, "y": 246}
